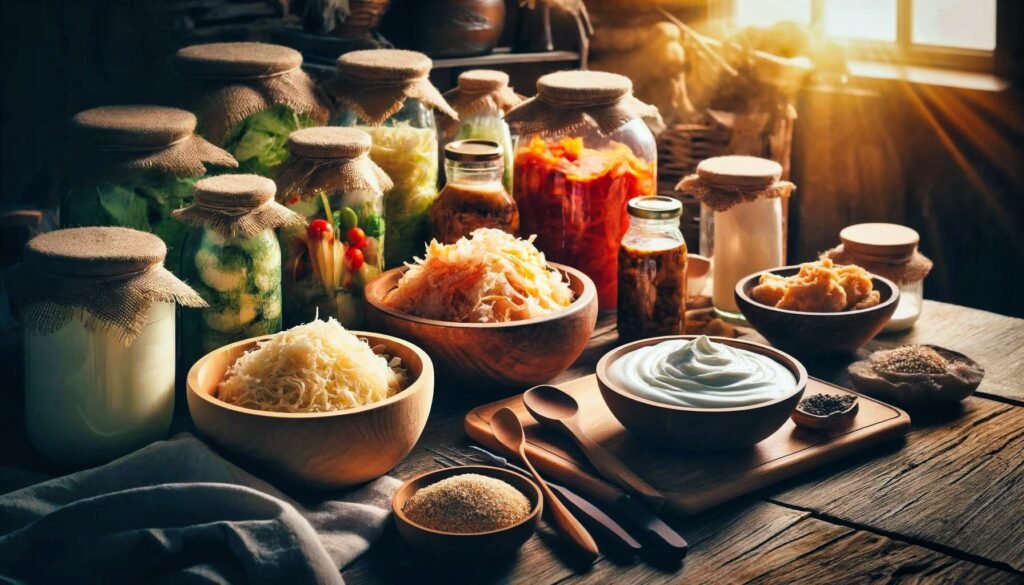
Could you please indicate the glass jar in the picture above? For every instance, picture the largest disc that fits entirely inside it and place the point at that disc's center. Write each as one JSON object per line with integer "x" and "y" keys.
{"x": 572, "y": 190}
{"x": 744, "y": 239}
{"x": 136, "y": 166}
{"x": 652, "y": 270}
{"x": 99, "y": 341}
{"x": 474, "y": 195}
{"x": 330, "y": 181}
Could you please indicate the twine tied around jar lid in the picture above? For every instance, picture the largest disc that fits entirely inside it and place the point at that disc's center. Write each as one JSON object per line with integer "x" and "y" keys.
{"x": 237, "y": 80}
{"x": 375, "y": 83}
{"x": 329, "y": 159}
{"x": 569, "y": 100}
{"x": 722, "y": 182}
{"x": 481, "y": 90}
{"x": 237, "y": 206}
{"x": 885, "y": 249}
{"x": 124, "y": 140}
{"x": 109, "y": 277}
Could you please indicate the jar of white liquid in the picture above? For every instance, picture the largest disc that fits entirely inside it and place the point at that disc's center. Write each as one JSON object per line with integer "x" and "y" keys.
{"x": 742, "y": 221}
{"x": 98, "y": 309}
{"x": 888, "y": 250}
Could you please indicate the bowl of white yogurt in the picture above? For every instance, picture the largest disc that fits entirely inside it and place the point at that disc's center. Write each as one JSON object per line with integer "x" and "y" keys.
{"x": 701, "y": 393}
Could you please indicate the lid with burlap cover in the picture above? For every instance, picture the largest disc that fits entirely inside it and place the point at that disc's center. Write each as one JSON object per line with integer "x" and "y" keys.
{"x": 329, "y": 159}
{"x": 109, "y": 277}
{"x": 376, "y": 82}
{"x": 237, "y": 206}
{"x": 122, "y": 140}
{"x": 481, "y": 90}
{"x": 886, "y": 249}
{"x": 569, "y": 100}
{"x": 724, "y": 181}
{"x": 237, "y": 80}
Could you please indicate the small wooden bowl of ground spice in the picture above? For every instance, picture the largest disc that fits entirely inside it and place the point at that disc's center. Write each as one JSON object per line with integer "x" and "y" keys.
{"x": 826, "y": 412}
{"x": 467, "y": 513}
{"x": 917, "y": 376}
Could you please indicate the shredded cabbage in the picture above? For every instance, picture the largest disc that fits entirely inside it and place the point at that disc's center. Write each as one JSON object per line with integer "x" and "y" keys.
{"x": 314, "y": 367}
{"x": 489, "y": 277}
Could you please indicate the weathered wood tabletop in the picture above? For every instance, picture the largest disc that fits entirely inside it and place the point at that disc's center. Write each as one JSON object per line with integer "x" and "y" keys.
{"x": 945, "y": 506}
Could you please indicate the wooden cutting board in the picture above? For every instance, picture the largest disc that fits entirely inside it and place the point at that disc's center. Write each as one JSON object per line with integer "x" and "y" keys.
{"x": 691, "y": 482}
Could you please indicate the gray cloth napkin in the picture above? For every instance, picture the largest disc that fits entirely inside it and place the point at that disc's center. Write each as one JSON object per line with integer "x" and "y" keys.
{"x": 177, "y": 511}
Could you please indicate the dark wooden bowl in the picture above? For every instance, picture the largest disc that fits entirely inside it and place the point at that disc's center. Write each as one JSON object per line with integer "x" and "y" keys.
{"x": 809, "y": 334}
{"x": 472, "y": 546}
{"x": 699, "y": 429}
{"x": 502, "y": 356}
{"x": 323, "y": 450}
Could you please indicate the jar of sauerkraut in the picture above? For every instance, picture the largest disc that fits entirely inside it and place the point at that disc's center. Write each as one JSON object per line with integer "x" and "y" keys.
{"x": 249, "y": 97}
{"x": 387, "y": 93}
{"x": 584, "y": 151}
{"x": 98, "y": 308}
{"x": 234, "y": 261}
{"x": 135, "y": 165}
{"x": 481, "y": 99}
{"x": 331, "y": 181}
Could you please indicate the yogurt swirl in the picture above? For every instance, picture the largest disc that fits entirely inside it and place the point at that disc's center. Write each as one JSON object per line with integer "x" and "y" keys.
{"x": 701, "y": 374}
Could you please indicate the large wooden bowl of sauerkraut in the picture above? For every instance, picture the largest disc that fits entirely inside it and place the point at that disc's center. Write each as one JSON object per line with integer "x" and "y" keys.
{"x": 262, "y": 412}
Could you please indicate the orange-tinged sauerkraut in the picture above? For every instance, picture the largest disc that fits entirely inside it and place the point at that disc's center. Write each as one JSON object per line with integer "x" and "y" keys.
{"x": 490, "y": 277}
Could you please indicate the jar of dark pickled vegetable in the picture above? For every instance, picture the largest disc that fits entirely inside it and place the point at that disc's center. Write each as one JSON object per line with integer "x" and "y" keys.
{"x": 387, "y": 93}
{"x": 233, "y": 261}
{"x": 584, "y": 151}
{"x": 652, "y": 270}
{"x": 331, "y": 181}
{"x": 474, "y": 195}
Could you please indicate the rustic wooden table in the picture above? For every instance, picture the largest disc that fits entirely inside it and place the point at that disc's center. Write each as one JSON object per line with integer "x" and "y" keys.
{"x": 945, "y": 506}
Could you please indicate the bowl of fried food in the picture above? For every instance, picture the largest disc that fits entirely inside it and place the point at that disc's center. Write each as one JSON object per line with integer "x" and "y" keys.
{"x": 817, "y": 308}
{"x": 489, "y": 309}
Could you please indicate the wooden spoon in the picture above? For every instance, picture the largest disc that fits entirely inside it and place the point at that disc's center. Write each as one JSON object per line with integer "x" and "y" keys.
{"x": 509, "y": 432}
{"x": 557, "y": 409}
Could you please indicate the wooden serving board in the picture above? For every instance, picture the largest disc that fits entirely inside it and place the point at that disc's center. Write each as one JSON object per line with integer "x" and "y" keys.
{"x": 691, "y": 482}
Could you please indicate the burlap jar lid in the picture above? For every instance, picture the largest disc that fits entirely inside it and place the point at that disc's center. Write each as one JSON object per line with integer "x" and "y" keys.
{"x": 375, "y": 83}
{"x": 481, "y": 90}
{"x": 329, "y": 159}
{"x": 238, "y": 80}
{"x": 237, "y": 60}
{"x": 886, "y": 249}
{"x": 722, "y": 182}
{"x": 569, "y": 100}
{"x": 108, "y": 276}
{"x": 129, "y": 138}
{"x": 237, "y": 206}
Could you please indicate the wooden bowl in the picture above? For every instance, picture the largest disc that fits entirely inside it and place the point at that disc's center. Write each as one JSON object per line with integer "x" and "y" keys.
{"x": 509, "y": 355}
{"x": 804, "y": 333}
{"x": 828, "y": 422}
{"x": 316, "y": 450}
{"x": 468, "y": 546}
{"x": 700, "y": 429}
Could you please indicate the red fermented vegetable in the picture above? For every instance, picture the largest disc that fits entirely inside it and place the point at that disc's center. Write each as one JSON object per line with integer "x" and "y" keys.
{"x": 357, "y": 238}
{"x": 320, "y": 229}
{"x": 354, "y": 256}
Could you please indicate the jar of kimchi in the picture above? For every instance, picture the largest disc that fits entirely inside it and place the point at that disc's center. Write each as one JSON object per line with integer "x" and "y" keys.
{"x": 584, "y": 151}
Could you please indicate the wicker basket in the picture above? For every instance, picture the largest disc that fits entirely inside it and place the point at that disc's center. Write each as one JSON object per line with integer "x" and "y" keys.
{"x": 363, "y": 17}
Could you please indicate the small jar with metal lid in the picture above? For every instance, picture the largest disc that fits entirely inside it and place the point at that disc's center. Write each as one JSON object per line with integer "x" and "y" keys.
{"x": 474, "y": 195}
{"x": 888, "y": 250}
{"x": 652, "y": 270}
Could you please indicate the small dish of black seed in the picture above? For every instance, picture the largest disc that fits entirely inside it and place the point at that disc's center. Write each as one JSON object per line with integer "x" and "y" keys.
{"x": 826, "y": 411}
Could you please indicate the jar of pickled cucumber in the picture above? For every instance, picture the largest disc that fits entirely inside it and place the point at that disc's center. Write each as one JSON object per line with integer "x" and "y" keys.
{"x": 584, "y": 151}
{"x": 387, "y": 93}
{"x": 233, "y": 260}
{"x": 249, "y": 97}
{"x": 331, "y": 181}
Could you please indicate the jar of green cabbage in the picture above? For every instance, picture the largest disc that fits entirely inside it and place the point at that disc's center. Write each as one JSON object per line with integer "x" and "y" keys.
{"x": 481, "y": 100}
{"x": 233, "y": 261}
{"x": 249, "y": 97}
{"x": 330, "y": 180}
{"x": 134, "y": 165}
{"x": 387, "y": 93}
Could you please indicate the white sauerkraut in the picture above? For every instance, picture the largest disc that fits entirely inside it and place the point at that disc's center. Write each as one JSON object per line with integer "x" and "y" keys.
{"x": 314, "y": 367}
{"x": 490, "y": 277}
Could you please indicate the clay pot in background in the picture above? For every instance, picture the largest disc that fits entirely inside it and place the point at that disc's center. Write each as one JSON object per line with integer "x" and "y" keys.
{"x": 458, "y": 28}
